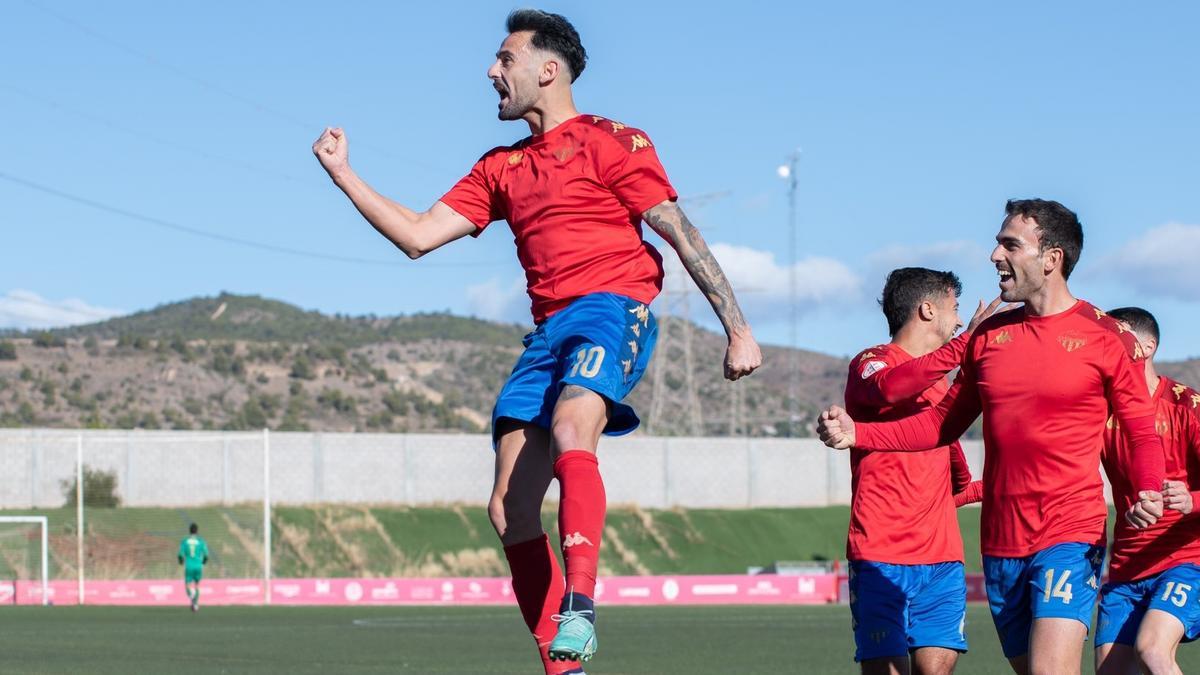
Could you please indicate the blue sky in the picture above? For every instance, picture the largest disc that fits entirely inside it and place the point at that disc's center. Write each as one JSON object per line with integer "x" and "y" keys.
{"x": 128, "y": 123}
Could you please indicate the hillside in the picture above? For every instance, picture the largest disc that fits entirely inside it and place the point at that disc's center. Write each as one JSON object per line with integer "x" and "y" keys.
{"x": 245, "y": 362}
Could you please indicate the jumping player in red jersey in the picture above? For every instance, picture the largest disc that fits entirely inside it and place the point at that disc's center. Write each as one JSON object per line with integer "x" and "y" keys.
{"x": 1152, "y": 600}
{"x": 908, "y": 592}
{"x": 1044, "y": 377}
{"x": 574, "y": 193}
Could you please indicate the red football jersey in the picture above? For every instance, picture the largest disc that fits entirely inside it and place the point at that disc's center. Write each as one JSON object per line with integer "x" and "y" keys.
{"x": 1175, "y": 538}
{"x": 1045, "y": 385}
{"x": 913, "y": 488}
{"x": 574, "y": 198}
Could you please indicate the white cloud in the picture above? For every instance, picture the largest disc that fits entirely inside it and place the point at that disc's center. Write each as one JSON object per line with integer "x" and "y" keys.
{"x": 498, "y": 300}
{"x": 762, "y": 284}
{"x": 1161, "y": 261}
{"x": 955, "y": 256}
{"x": 26, "y": 309}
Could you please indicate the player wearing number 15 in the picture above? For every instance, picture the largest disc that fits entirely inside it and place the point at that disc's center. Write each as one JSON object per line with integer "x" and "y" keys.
{"x": 574, "y": 193}
{"x": 1152, "y": 600}
{"x": 193, "y": 555}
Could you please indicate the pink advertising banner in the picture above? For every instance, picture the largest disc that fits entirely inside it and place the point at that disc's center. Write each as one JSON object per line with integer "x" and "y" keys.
{"x": 759, "y": 589}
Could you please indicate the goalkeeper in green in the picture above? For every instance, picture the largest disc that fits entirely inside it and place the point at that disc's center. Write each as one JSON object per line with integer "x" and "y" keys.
{"x": 193, "y": 554}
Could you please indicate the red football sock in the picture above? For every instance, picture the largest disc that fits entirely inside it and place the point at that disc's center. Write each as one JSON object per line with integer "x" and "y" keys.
{"x": 537, "y": 582}
{"x": 580, "y": 518}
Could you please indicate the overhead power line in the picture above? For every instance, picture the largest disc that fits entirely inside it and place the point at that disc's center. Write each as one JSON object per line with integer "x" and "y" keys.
{"x": 195, "y": 231}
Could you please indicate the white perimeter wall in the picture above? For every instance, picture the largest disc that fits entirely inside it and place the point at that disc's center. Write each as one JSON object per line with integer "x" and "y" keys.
{"x": 165, "y": 468}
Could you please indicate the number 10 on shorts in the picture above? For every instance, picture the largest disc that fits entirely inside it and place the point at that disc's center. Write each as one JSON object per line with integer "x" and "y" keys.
{"x": 587, "y": 362}
{"x": 1059, "y": 589}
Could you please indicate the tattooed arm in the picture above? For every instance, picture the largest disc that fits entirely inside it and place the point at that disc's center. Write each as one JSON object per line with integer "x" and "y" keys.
{"x": 742, "y": 356}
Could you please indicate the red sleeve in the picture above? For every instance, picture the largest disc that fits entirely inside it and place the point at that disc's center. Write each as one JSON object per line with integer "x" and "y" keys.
{"x": 1193, "y": 436}
{"x": 940, "y": 425}
{"x": 891, "y": 384}
{"x": 1130, "y": 401}
{"x": 474, "y": 197}
{"x": 630, "y": 168}
{"x": 960, "y": 471}
{"x": 972, "y": 494}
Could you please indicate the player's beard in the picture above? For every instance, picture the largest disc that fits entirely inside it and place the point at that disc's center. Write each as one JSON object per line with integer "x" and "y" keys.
{"x": 515, "y": 107}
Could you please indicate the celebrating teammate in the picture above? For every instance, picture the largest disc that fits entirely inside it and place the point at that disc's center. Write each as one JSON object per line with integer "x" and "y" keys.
{"x": 193, "y": 555}
{"x": 1044, "y": 377}
{"x": 574, "y": 193}
{"x": 908, "y": 592}
{"x": 1151, "y": 604}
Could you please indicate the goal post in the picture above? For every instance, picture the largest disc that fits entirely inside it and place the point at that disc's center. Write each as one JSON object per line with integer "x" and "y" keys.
{"x": 43, "y": 556}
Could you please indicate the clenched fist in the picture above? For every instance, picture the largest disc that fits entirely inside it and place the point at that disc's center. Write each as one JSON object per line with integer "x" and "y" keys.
{"x": 742, "y": 357}
{"x": 332, "y": 150}
{"x": 836, "y": 428}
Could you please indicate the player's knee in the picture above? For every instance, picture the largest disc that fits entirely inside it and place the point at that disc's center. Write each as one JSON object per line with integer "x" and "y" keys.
{"x": 1155, "y": 656}
{"x": 566, "y": 434}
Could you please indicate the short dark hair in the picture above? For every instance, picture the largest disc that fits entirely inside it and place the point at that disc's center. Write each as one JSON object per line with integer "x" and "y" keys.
{"x": 907, "y": 287}
{"x": 553, "y": 33}
{"x": 193, "y": 528}
{"x": 1139, "y": 320}
{"x": 1058, "y": 227}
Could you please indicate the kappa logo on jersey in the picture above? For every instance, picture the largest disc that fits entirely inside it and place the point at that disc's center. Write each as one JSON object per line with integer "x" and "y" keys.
{"x": 1071, "y": 341}
{"x": 617, "y": 126}
{"x": 872, "y": 367}
{"x": 514, "y": 158}
{"x": 1100, "y": 314}
{"x": 575, "y": 540}
{"x": 638, "y": 141}
{"x": 1178, "y": 391}
{"x": 642, "y": 314}
{"x": 1002, "y": 338}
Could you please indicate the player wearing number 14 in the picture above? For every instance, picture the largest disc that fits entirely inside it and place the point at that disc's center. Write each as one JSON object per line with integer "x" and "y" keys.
{"x": 574, "y": 193}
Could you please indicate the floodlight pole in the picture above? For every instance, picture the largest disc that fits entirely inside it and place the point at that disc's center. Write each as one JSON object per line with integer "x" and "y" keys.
{"x": 793, "y": 302}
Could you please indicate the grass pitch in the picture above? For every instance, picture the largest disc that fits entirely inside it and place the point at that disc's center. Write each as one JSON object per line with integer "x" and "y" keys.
{"x": 295, "y": 641}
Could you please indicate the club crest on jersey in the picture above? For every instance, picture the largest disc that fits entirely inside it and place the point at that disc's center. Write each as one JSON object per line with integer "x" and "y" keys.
{"x": 872, "y": 367}
{"x": 1071, "y": 341}
{"x": 564, "y": 153}
{"x": 514, "y": 158}
{"x": 1002, "y": 338}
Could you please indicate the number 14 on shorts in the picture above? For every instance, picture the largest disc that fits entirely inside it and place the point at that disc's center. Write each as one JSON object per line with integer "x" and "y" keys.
{"x": 1059, "y": 586}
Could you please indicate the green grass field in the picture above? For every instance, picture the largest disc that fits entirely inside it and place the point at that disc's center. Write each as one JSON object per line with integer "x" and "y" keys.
{"x": 670, "y": 640}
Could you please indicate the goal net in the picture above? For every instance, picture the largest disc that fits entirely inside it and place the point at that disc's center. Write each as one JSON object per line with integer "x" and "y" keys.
{"x": 24, "y": 560}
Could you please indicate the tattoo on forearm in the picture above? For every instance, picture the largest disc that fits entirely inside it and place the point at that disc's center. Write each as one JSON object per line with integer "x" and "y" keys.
{"x": 672, "y": 224}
